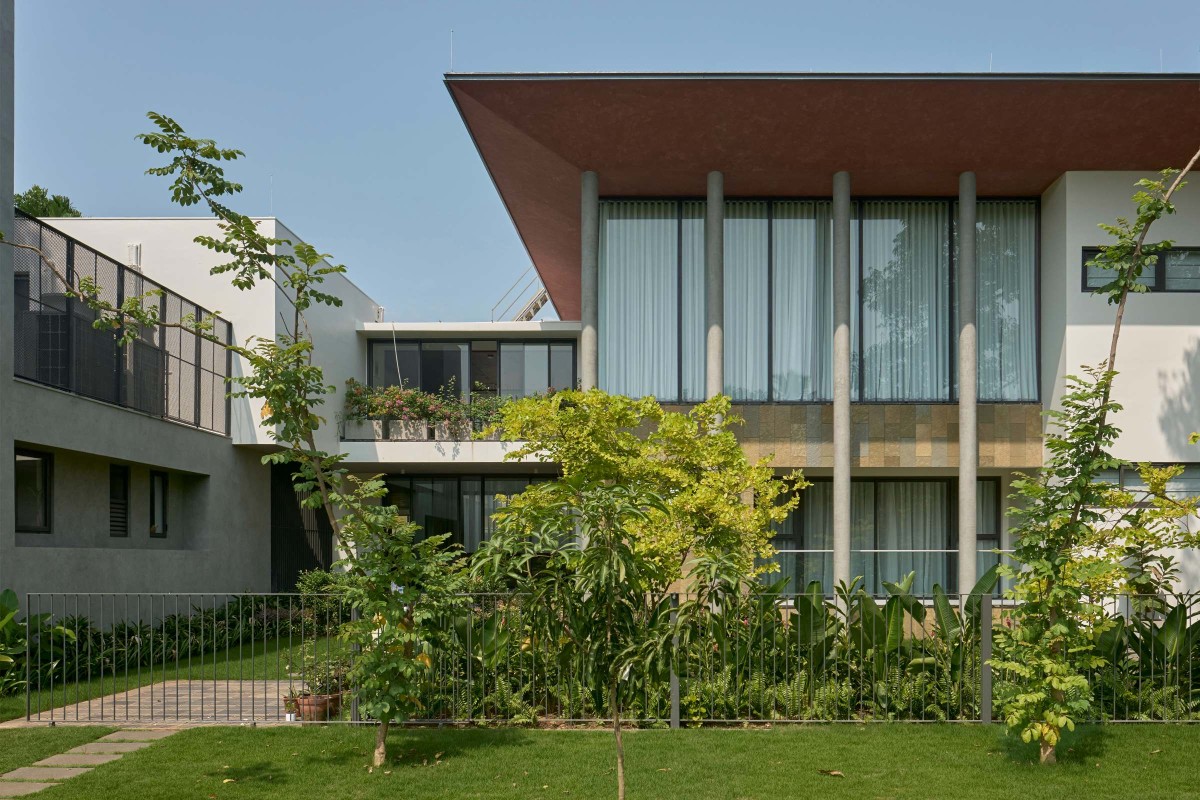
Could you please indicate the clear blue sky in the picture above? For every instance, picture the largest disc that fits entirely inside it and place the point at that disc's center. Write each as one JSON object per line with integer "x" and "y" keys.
{"x": 343, "y": 102}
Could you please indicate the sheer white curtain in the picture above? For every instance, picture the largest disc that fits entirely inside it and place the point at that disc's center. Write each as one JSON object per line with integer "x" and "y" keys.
{"x": 906, "y": 300}
{"x": 746, "y": 265}
{"x": 639, "y": 316}
{"x": 912, "y": 515}
{"x": 1006, "y": 247}
{"x": 802, "y": 318}
{"x": 692, "y": 344}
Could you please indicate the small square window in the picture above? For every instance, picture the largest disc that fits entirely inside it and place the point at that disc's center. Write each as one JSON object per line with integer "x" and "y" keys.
{"x": 32, "y": 484}
{"x": 160, "y": 491}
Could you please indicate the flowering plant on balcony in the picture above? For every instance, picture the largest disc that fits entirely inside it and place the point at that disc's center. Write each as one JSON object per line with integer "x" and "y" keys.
{"x": 403, "y": 404}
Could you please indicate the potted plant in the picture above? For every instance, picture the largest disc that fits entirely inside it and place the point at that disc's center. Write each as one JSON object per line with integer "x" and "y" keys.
{"x": 405, "y": 411}
{"x": 484, "y": 412}
{"x": 447, "y": 416}
{"x": 357, "y": 420}
{"x": 325, "y": 681}
{"x": 291, "y": 706}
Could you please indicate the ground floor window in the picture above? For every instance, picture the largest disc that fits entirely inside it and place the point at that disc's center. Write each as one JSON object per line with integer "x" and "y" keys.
{"x": 459, "y": 505}
{"x": 159, "y": 491}
{"x": 32, "y": 481}
{"x": 897, "y": 526}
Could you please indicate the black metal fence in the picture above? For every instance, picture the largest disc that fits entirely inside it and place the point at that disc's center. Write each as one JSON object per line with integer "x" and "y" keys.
{"x": 117, "y": 658}
{"x": 166, "y": 372}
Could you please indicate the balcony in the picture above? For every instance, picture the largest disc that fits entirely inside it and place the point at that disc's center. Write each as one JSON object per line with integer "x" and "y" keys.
{"x": 165, "y": 372}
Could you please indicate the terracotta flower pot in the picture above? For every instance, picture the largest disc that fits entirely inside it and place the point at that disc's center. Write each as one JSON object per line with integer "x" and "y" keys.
{"x": 319, "y": 707}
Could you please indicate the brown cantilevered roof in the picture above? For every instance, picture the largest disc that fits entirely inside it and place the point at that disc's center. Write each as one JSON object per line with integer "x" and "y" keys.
{"x": 784, "y": 135}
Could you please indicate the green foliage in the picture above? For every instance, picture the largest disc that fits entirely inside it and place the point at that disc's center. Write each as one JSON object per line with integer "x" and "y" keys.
{"x": 37, "y": 202}
{"x": 403, "y": 588}
{"x": 1076, "y": 533}
{"x": 691, "y": 461}
{"x": 19, "y": 636}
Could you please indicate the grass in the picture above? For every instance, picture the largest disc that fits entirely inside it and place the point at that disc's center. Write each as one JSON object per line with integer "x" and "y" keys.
{"x": 964, "y": 762}
{"x": 260, "y": 660}
{"x": 20, "y": 747}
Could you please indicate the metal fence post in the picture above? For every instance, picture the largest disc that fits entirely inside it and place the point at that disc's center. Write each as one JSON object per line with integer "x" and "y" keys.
{"x": 355, "y": 650}
{"x": 985, "y": 656}
{"x": 28, "y": 658}
{"x": 674, "y": 659}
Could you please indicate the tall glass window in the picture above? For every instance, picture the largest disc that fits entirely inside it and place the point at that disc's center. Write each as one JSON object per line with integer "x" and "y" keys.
{"x": 905, "y": 297}
{"x": 514, "y": 369}
{"x": 639, "y": 296}
{"x": 1006, "y": 299}
{"x": 459, "y": 506}
{"x": 746, "y": 313}
{"x": 896, "y": 527}
{"x": 802, "y": 298}
{"x": 691, "y": 302}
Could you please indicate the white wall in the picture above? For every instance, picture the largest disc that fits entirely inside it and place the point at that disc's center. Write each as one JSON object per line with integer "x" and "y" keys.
{"x": 1159, "y": 352}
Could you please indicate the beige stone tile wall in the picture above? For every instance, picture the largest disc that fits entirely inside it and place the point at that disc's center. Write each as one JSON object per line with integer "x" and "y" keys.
{"x": 900, "y": 435}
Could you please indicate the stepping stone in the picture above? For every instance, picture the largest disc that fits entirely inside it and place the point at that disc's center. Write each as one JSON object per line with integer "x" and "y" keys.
{"x": 44, "y": 773}
{"x": 109, "y": 747}
{"x": 15, "y": 789}
{"x": 138, "y": 736}
{"x": 77, "y": 760}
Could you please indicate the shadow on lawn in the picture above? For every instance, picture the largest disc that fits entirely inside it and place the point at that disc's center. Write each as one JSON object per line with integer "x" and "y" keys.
{"x": 417, "y": 747}
{"x": 1086, "y": 743}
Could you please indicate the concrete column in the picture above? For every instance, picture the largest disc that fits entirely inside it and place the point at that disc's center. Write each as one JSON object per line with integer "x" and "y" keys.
{"x": 8, "y": 571}
{"x": 714, "y": 286}
{"x": 841, "y": 377}
{"x": 968, "y": 432}
{"x": 589, "y": 281}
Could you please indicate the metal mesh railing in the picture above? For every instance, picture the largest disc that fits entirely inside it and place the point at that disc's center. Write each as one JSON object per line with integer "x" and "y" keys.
{"x": 166, "y": 372}
{"x": 771, "y": 658}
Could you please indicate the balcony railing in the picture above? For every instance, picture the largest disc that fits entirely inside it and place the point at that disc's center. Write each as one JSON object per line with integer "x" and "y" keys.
{"x": 166, "y": 372}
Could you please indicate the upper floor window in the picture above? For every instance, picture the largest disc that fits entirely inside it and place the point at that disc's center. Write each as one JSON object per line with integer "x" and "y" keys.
{"x": 1177, "y": 270}
{"x": 33, "y": 476}
{"x": 509, "y": 368}
{"x": 778, "y": 300}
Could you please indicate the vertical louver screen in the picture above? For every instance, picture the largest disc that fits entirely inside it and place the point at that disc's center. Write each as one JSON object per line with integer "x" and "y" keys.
{"x": 118, "y": 500}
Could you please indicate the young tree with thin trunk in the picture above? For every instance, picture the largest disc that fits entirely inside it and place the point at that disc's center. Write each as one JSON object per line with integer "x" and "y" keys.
{"x": 1073, "y": 531}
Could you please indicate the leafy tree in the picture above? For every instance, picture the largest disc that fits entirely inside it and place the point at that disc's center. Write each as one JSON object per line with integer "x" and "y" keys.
{"x": 293, "y": 389}
{"x": 404, "y": 588}
{"x": 1073, "y": 530}
{"x": 575, "y": 555}
{"x": 37, "y": 202}
{"x": 692, "y": 461}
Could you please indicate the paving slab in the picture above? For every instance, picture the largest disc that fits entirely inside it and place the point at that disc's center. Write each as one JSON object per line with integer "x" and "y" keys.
{"x": 22, "y": 788}
{"x": 77, "y": 760}
{"x": 109, "y": 747}
{"x": 138, "y": 736}
{"x": 44, "y": 773}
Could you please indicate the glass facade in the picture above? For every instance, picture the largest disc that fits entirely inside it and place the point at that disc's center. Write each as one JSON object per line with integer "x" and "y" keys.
{"x": 511, "y": 368}
{"x": 897, "y": 526}
{"x": 778, "y": 301}
{"x": 461, "y": 506}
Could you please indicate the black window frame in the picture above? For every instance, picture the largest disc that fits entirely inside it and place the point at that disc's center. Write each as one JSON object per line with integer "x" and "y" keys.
{"x": 857, "y": 377}
{"x": 375, "y": 342}
{"x": 951, "y": 483}
{"x": 1160, "y": 272}
{"x": 397, "y": 479}
{"x": 155, "y": 476}
{"x": 47, "y": 465}
{"x": 119, "y": 475}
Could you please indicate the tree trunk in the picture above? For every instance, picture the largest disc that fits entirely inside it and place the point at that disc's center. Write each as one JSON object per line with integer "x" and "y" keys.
{"x": 1047, "y": 754}
{"x": 616, "y": 715}
{"x": 381, "y": 733}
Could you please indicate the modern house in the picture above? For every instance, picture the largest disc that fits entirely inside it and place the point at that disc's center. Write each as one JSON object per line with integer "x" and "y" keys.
{"x": 885, "y": 272}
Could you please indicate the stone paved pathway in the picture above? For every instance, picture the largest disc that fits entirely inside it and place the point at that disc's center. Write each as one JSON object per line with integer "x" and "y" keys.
{"x": 175, "y": 703}
{"x": 76, "y": 761}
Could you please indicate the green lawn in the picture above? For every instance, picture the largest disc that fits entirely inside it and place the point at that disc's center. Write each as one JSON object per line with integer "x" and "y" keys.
{"x": 879, "y": 761}
{"x": 21, "y": 747}
{"x": 258, "y": 660}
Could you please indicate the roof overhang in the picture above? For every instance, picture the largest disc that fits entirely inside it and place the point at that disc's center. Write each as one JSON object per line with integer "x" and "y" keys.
{"x": 784, "y": 135}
